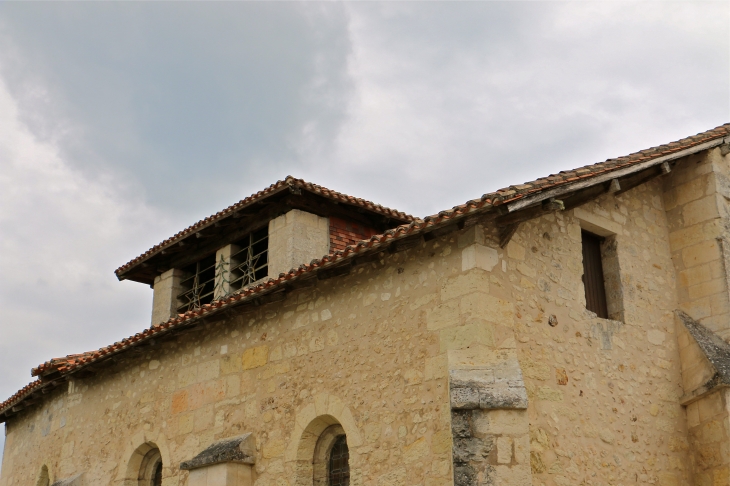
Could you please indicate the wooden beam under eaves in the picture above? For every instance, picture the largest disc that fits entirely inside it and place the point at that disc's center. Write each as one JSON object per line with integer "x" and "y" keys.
{"x": 614, "y": 187}
{"x": 506, "y": 234}
{"x": 405, "y": 243}
{"x": 336, "y": 271}
{"x": 604, "y": 178}
{"x": 443, "y": 230}
{"x": 643, "y": 178}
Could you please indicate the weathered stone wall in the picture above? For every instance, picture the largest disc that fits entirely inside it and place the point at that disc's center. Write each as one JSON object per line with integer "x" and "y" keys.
{"x": 355, "y": 349}
{"x": 696, "y": 195}
{"x": 166, "y": 289}
{"x": 294, "y": 238}
{"x": 603, "y": 394}
{"x": 707, "y": 419}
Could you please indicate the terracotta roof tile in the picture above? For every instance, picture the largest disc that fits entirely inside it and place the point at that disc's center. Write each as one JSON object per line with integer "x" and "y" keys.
{"x": 278, "y": 186}
{"x": 20, "y": 395}
{"x": 72, "y": 363}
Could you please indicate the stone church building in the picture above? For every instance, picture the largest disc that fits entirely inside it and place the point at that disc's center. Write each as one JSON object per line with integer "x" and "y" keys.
{"x": 568, "y": 331}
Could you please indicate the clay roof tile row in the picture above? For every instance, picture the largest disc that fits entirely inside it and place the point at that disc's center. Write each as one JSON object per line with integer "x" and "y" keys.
{"x": 288, "y": 182}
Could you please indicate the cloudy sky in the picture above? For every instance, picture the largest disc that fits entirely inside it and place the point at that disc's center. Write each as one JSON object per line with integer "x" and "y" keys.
{"x": 122, "y": 123}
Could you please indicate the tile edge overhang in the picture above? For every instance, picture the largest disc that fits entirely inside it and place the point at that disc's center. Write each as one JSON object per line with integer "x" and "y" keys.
{"x": 278, "y": 187}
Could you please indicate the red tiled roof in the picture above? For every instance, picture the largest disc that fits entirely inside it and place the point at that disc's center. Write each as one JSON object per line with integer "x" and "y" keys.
{"x": 564, "y": 179}
{"x": 288, "y": 182}
{"x": 20, "y": 395}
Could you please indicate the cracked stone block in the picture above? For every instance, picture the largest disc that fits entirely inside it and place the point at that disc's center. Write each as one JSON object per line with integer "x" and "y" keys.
{"x": 497, "y": 387}
{"x": 472, "y": 377}
{"x": 508, "y": 373}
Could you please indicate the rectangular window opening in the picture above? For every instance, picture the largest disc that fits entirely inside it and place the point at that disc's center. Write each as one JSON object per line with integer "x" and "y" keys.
{"x": 250, "y": 259}
{"x": 198, "y": 284}
{"x": 593, "y": 278}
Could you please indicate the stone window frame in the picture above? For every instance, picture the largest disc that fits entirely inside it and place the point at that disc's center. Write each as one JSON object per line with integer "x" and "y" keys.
{"x": 150, "y": 465}
{"x": 609, "y": 231}
{"x": 322, "y": 451}
{"x": 594, "y": 280}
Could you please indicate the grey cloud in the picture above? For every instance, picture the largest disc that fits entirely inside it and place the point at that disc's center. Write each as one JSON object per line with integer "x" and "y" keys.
{"x": 190, "y": 100}
{"x": 462, "y": 99}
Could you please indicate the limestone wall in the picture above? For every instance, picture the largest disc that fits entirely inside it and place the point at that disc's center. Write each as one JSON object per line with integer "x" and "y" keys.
{"x": 294, "y": 238}
{"x": 166, "y": 289}
{"x": 708, "y": 424}
{"x": 603, "y": 395}
{"x": 697, "y": 210}
{"x": 353, "y": 349}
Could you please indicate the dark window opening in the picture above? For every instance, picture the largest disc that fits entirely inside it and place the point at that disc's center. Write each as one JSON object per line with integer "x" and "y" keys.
{"x": 593, "y": 279}
{"x": 157, "y": 475}
{"x": 198, "y": 285}
{"x": 150, "y": 471}
{"x": 339, "y": 463}
{"x": 250, "y": 259}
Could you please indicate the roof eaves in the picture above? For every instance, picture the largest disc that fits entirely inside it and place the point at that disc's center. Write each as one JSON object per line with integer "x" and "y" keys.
{"x": 605, "y": 171}
{"x": 18, "y": 397}
{"x": 277, "y": 187}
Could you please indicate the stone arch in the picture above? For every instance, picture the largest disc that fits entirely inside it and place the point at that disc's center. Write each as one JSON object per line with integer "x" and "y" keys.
{"x": 150, "y": 469}
{"x": 316, "y": 428}
{"x": 322, "y": 451}
{"x": 143, "y": 452}
{"x": 44, "y": 479}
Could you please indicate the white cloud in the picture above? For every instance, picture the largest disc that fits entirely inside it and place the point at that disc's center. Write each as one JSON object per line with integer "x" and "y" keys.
{"x": 454, "y": 100}
{"x": 62, "y": 236}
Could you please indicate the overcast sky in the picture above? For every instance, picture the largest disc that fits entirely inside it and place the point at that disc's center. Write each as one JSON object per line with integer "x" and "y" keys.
{"x": 123, "y": 123}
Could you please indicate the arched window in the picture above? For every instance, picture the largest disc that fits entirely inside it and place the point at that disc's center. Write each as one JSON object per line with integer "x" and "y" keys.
{"x": 331, "y": 461}
{"x": 43, "y": 478}
{"x": 339, "y": 463}
{"x": 150, "y": 471}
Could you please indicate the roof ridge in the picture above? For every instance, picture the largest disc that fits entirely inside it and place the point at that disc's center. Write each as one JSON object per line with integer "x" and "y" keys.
{"x": 288, "y": 181}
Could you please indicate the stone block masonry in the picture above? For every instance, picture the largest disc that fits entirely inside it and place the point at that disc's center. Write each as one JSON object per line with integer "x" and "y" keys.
{"x": 294, "y": 238}
{"x": 166, "y": 289}
{"x": 488, "y": 448}
{"x": 696, "y": 199}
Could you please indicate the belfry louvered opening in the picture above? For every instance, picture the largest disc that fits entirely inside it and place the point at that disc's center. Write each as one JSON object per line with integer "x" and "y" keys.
{"x": 250, "y": 259}
{"x": 593, "y": 279}
{"x": 198, "y": 284}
